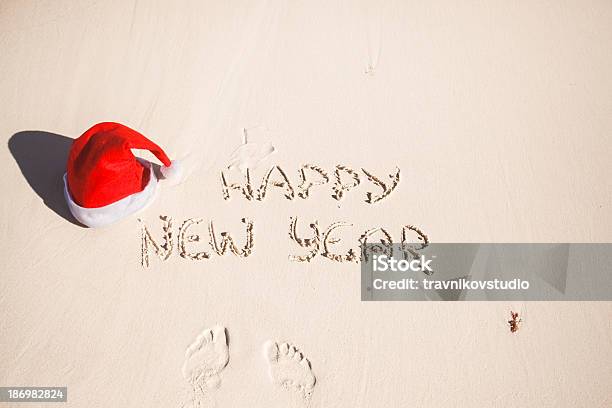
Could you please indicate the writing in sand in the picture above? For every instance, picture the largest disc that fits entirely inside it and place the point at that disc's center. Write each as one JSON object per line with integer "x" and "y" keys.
{"x": 319, "y": 242}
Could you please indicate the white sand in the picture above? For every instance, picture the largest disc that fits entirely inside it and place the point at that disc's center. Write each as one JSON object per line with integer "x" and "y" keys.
{"x": 499, "y": 115}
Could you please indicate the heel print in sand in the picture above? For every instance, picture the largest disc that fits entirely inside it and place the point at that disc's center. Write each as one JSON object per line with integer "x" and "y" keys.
{"x": 205, "y": 358}
{"x": 290, "y": 368}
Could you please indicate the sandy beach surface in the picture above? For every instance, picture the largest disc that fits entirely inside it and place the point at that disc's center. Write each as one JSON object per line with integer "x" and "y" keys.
{"x": 498, "y": 115}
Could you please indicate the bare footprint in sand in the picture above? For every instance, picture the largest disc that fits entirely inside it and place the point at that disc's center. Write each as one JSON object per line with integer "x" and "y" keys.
{"x": 206, "y": 357}
{"x": 249, "y": 155}
{"x": 290, "y": 368}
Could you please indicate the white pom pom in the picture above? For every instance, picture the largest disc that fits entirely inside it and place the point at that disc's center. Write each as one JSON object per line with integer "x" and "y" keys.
{"x": 174, "y": 173}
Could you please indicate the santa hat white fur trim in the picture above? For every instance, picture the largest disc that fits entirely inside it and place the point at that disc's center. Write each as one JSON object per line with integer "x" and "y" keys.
{"x": 111, "y": 213}
{"x": 173, "y": 174}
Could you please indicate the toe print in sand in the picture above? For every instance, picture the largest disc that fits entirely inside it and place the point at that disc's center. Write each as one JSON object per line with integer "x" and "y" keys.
{"x": 205, "y": 358}
{"x": 289, "y": 368}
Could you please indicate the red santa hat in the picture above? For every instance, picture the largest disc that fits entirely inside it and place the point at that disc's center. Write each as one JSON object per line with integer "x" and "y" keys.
{"x": 105, "y": 182}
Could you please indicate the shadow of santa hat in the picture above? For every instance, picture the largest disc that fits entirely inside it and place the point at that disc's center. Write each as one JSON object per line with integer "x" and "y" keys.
{"x": 105, "y": 182}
